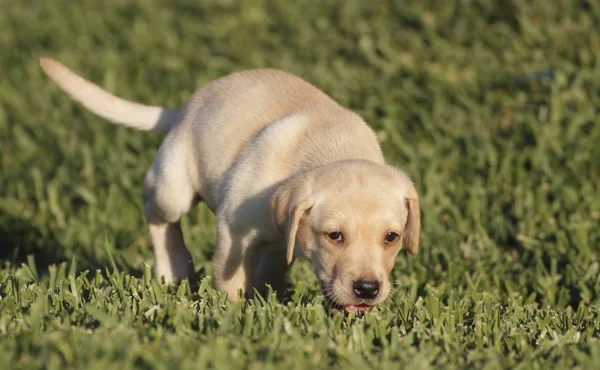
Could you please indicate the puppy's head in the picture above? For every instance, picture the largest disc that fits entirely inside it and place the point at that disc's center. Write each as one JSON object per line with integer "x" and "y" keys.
{"x": 350, "y": 219}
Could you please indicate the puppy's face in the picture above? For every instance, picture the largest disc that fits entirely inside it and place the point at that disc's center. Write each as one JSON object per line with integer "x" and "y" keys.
{"x": 351, "y": 221}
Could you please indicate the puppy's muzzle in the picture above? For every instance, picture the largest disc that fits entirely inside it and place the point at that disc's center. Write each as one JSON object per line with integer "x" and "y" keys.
{"x": 366, "y": 289}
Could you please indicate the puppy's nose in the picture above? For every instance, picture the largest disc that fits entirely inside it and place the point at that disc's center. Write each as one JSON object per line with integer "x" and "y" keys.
{"x": 366, "y": 289}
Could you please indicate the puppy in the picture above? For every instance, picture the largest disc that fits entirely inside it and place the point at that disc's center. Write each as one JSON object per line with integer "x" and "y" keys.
{"x": 287, "y": 171}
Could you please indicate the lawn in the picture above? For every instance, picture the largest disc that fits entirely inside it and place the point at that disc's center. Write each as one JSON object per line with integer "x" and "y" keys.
{"x": 490, "y": 106}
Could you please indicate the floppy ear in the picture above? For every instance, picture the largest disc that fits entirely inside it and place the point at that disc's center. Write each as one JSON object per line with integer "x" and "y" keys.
{"x": 412, "y": 229}
{"x": 288, "y": 204}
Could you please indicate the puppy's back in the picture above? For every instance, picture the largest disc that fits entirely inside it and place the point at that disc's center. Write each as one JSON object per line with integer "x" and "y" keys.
{"x": 224, "y": 116}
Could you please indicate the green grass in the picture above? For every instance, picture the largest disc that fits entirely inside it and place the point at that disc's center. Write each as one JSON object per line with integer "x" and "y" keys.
{"x": 490, "y": 106}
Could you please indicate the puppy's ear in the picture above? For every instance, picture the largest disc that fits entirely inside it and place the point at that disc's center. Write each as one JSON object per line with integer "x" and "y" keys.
{"x": 288, "y": 204}
{"x": 412, "y": 229}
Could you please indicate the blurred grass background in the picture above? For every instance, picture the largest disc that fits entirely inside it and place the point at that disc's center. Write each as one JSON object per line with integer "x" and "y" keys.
{"x": 490, "y": 106}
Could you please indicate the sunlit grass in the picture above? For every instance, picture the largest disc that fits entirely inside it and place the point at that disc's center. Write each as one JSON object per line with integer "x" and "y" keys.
{"x": 490, "y": 106}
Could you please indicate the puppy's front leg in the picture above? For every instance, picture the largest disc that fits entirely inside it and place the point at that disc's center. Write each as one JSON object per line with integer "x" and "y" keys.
{"x": 241, "y": 265}
{"x": 234, "y": 260}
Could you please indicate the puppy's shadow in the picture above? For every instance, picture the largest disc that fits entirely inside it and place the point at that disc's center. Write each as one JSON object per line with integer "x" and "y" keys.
{"x": 20, "y": 238}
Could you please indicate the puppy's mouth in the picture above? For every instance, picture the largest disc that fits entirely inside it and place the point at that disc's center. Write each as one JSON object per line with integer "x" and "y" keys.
{"x": 336, "y": 306}
{"x": 358, "y": 308}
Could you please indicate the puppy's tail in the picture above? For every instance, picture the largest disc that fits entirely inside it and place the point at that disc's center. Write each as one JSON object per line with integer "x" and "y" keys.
{"x": 142, "y": 117}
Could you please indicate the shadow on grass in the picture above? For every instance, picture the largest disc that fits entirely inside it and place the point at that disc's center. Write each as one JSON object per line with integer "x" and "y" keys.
{"x": 20, "y": 238}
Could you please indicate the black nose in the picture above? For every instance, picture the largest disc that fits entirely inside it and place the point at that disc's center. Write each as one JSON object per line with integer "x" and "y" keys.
{"x": 366, "y": 289}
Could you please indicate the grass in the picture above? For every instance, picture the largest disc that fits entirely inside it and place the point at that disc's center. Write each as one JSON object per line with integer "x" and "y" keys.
{"x": 491, "y": 107}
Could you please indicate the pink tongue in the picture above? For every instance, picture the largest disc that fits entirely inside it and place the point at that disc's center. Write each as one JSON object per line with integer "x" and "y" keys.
{"x": 352, "y": 308}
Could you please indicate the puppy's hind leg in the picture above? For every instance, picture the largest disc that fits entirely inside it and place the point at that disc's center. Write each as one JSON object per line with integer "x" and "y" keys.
{"x": 168, "y": 195}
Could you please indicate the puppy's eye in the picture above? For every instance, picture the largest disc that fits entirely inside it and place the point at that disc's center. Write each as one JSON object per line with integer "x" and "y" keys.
{"x": 335, "y": 236}
{"x": 391, "y": 237}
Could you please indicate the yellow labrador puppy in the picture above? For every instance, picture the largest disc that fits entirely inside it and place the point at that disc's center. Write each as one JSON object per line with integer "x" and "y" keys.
{"x": 287, "y": 172}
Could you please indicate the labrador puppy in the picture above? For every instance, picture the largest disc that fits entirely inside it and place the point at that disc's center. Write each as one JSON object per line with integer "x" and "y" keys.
{"x": 287, "y": 171}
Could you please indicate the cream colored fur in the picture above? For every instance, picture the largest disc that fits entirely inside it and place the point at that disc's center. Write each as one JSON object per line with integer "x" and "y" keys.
{"x": 283, "y": 166}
